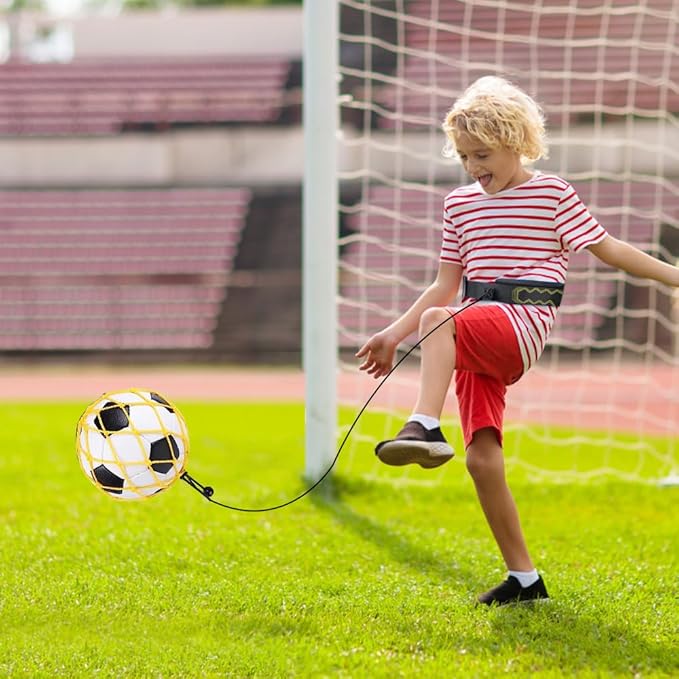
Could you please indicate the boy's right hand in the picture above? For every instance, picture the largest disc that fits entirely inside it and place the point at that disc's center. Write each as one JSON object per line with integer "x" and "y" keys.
{"x": 378, "y": 353}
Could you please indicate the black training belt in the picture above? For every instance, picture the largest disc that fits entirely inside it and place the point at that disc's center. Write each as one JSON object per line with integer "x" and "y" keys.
{"x": 514, "y": 291}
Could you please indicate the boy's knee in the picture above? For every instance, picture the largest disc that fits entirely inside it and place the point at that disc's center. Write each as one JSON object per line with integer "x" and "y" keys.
{"x": 477, "y": 465}
{"x": 484, "y": 455}
{"x": 434, "y": 316}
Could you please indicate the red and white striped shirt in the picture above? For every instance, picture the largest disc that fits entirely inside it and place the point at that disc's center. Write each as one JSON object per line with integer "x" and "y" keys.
{"x": 523, "y": 232}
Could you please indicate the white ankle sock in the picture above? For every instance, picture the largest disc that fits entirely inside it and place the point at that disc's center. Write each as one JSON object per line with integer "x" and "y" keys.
{"x": 426, "y": 421}
{"x": 525, "y": 578}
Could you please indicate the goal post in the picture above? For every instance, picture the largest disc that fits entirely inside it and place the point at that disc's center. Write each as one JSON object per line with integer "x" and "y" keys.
{"x": 319, "y": 234}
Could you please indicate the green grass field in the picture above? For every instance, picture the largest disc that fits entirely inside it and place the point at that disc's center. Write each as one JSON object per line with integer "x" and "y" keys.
{"x": 372, "y": 577}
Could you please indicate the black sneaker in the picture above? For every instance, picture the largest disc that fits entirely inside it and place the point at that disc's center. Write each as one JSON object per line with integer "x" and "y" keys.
{"x": 415, "y": 445}
{"x": 511, "y": 592}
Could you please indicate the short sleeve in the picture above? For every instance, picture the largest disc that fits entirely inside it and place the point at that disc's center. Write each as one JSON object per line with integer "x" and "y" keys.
{"x": 575, "y": 226}
{"x": 450, "y": 247}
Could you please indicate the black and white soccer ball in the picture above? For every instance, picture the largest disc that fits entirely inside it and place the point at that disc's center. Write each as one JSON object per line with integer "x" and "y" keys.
{"x": 132, "y": 444}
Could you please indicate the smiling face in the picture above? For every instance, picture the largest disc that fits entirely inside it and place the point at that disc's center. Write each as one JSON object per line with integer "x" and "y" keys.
{"x": 496, "y": 169}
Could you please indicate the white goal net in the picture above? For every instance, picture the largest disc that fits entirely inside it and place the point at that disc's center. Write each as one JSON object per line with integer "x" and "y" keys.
{"x": 604, "y": 398}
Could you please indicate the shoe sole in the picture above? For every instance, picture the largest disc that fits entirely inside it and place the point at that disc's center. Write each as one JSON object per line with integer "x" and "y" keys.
{"x": 515, "y": 602}
{"x": 427, "y": 455}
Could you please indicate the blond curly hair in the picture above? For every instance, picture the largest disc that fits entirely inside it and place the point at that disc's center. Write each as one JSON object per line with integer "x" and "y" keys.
{"x": 499, "y": 115}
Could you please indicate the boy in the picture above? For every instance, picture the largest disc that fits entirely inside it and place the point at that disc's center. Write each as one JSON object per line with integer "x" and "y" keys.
{"x": 506, "y": 239}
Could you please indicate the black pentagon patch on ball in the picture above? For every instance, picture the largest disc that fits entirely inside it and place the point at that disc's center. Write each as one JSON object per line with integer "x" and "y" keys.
{"x": 159, "y": 399}
{"x": 109, "y": 481}
{"x": 112, "y": 417}
{"x": 162, "y": 453}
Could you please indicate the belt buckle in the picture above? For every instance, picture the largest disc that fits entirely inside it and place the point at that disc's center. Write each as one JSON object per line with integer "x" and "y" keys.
{"x": 536, "y": 295}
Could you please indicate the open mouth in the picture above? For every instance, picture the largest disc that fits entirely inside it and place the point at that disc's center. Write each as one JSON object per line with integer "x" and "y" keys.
{"x": 484, "y": 180}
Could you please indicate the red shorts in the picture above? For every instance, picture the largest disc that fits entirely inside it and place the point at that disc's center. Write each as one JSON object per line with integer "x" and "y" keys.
{"x": 487, "y": 360}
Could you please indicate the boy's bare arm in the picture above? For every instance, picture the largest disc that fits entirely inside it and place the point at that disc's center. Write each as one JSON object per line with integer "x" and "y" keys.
{"x": 378, "y": 352}
{"x": 624, "y": 256}
{"x": 441, "y": 292}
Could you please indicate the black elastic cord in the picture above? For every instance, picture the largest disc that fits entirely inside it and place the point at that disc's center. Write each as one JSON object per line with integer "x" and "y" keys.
{"x": 208, "y": 491}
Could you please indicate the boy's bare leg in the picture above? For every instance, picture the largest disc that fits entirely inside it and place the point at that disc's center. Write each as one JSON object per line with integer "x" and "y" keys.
{"x": 485, "y": 462}
{"x": 437, "y": 363}
{"x": 417, "y": 443}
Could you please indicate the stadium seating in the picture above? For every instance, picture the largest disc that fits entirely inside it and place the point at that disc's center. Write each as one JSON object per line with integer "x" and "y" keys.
{"x": 97, "y": 270}
{"x": 561, "y": 60}
{"x": 383, "y": 272}
{"x": 99, "y": 97}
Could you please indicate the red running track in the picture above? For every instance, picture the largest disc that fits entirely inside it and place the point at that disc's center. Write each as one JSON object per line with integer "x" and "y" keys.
{"x": 641, "y": 398}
